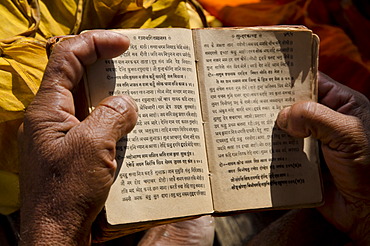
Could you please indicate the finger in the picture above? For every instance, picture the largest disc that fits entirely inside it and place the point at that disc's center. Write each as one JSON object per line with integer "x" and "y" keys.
{"x": 113, "y": 118}
{"x": 340, "y": 97}
{"x": 54, "y": 101}
{"x": 70, "y": 56}
{"x": 198, "y": 231}
{"x": 338, "y": 131}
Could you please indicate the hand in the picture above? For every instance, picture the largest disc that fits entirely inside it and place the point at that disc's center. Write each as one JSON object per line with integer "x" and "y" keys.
{"x": 342, "y": 124}
{"x": 197, "y": 232}
{"x": 68, "y": 166}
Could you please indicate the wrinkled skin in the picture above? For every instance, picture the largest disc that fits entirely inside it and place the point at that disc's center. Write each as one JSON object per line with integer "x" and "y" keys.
{"x": 196, "y": 232}
{"x": 68, "y": 165}
{"x": 341, "y": 121}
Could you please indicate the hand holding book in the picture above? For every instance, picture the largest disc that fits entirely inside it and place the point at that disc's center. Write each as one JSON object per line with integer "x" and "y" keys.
{"x": 206, "y": 140}
{"x": 348, "y": 163}
{"x": 67, "y": 165}
{"x": 340, "y": 122}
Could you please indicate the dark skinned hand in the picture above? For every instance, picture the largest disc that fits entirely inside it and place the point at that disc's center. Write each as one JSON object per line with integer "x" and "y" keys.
{"x": 67, "y": 165}
{"x": 341, "y": 121}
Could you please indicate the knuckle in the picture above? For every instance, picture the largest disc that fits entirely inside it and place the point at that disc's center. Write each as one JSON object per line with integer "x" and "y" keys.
{"x": 120, "y": 108}
{"x": 96, "y": 148}
{"x": 309, "y": 109}
{"x": 304, "y": 111}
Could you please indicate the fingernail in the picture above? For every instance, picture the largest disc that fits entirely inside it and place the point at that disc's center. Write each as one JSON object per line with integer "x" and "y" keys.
{"x": 282, "y": 119}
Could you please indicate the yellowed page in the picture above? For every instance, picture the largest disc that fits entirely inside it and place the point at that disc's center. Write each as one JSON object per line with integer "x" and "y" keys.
{"x": 164, "y": 172}
{"x": 246, "y": 78}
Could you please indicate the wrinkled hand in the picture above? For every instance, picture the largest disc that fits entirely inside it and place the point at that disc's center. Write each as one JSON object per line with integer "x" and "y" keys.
{"x": 342, "y": 124}
{"x": 68, "y": 166}
{"x": 196, "y": 232}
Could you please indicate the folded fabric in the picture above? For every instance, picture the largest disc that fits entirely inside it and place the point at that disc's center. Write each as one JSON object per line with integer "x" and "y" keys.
{"x": 26, "y": 25}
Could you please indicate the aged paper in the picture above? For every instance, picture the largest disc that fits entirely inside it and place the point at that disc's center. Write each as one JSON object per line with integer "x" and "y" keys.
{"x": 242, "y": 79}
{"x": 164, "y": 173}
{"x": 246, "y": 77}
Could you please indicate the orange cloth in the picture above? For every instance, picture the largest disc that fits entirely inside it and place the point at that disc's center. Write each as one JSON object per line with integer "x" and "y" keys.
{"x": 343, "y": 31}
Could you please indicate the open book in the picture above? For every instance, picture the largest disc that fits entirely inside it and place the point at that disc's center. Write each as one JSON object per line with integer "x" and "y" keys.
{"x": 206, "y": 140}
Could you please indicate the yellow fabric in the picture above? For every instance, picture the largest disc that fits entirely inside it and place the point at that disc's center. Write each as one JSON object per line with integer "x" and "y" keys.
{"x": 9, "y": 195}
{"x": 26, "y": 25}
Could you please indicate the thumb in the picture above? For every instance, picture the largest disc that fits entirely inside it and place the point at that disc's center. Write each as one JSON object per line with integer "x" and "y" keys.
{"x": 344, "y": 142}
{"x": 113, "y": 118}
{"x": 339, "y": 132}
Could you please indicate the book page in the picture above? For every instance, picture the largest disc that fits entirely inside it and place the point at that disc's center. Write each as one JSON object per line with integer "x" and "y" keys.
{"x": 164, "y": 172}
{"x": 246, "y": 78}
